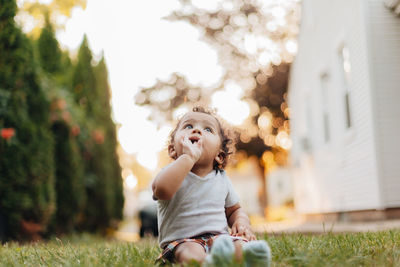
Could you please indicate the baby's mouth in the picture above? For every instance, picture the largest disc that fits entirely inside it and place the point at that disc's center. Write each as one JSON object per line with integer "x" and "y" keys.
{"x": 194, "y": 139}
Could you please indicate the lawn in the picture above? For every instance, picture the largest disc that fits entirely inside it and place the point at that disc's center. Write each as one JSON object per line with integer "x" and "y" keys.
{"x": 355, "y": 249}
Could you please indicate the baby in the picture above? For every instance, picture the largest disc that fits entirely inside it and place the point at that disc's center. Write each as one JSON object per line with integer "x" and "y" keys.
{"x": 197, "y": 202}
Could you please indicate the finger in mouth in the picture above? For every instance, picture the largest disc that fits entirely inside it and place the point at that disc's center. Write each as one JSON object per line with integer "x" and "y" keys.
{"x": 194, "y": 139}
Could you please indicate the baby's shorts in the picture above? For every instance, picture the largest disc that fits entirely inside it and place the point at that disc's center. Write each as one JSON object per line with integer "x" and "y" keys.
{"x": 206, "y": 240}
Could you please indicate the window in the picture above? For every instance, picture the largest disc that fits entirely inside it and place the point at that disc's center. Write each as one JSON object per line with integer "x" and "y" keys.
{"x": 307, "y": 141}
{"x": 324, "y": 79}
{"x": 345, "y": 71}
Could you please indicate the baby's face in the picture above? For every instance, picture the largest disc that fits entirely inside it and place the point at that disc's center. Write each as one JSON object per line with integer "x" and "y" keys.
{"x": 199, "y": 126}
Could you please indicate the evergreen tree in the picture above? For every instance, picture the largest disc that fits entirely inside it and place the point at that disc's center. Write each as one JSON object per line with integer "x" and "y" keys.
{"x": 27, "y": 198}
{"x": 49, "y": 50}
{"x": 83, "y": 80}
{"x": 70, "y": 190}
{"x": 113, "y": 168}
{"x": 101, "y": 171}
{"x": 71, "y": 194}
{"x": 64, "y": 79}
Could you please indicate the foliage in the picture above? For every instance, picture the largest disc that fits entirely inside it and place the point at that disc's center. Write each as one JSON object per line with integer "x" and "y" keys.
{"x": 249, "y": 36}
{"x": 26, "y": 162}
{"x": 49, "y": 50}
{"x": 69, "y": 178}
{"x": 65, "y": 129}
{"x": 108, "y": 150}
{"x": 98, "y": 147}
{"x": 57, "y": 144}
{"x": 347, "y": 249}
{"x": 84, "y": 81}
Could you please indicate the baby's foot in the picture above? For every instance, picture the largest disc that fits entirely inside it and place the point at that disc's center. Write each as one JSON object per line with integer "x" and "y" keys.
{"x": 222, "y": 252}
{"x": 256, "y": 253}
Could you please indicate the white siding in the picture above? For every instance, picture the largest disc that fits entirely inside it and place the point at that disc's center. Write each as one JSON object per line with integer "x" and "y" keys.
{"x": 279, "y": 187}
{"x": 384, "y": 40}
{"x": 340, "y": 175}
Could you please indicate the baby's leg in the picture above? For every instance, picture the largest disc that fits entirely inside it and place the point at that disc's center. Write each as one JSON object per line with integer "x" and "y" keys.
{"x": 238, "y": 250}
{"x": 188, "y": 251}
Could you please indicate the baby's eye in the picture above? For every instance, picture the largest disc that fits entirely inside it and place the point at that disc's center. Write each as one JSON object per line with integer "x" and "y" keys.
{"x": 188, "y": 126}
{"x": 208, "y": 129}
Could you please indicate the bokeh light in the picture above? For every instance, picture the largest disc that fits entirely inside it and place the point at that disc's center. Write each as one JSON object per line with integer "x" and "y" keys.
{"x": 228, "y": 104}
{"x": 131, "y": 181}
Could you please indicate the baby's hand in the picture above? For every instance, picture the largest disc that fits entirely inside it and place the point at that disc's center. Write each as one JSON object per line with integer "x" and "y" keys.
{"x": 243, "y": 229}
{"x": 193, "y": 150}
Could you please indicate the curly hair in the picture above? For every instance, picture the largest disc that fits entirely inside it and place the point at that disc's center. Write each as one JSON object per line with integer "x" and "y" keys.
{"x": 226, "y": 134}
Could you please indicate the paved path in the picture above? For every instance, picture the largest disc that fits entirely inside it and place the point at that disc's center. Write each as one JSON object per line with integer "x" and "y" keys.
{"x": 128, "y": 231}
{"x": 318, "y": 228}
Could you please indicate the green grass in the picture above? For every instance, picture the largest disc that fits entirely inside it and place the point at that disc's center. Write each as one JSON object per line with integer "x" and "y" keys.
{"x": 355, "y": 249}
{"x": 84, "y": 250}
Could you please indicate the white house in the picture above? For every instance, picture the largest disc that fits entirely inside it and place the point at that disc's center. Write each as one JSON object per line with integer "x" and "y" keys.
{"x": 344, "y": 95}
{"x": 279, "y": 187}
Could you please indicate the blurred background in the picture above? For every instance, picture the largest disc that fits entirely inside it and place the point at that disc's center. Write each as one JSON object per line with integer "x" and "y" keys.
{"x": 90, "y": 90}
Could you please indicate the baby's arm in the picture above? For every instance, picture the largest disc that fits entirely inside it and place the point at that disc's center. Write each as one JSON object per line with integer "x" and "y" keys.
{"x": 239, "y": 222}
{"x": 168, "y": 181}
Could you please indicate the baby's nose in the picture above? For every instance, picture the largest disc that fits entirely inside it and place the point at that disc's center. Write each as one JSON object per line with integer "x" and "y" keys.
{"x": 196, "y": 130}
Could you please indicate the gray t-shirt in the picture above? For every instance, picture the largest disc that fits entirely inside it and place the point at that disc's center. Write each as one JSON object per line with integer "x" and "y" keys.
{"x": 197, "y": 207}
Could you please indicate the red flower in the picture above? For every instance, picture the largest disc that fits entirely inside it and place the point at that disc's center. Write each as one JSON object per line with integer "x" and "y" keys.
{"x": 75, "y": 130}
{"x": 98, "y": 136}
{"x": 7, "y": 133}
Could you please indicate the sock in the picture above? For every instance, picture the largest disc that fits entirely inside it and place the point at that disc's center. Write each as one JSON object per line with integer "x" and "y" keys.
{"x": 256, "y": 253}
{"x": 222, "y": 252}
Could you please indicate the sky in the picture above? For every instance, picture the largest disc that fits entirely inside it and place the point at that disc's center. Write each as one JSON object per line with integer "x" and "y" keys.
{"x": 139, "y": 47}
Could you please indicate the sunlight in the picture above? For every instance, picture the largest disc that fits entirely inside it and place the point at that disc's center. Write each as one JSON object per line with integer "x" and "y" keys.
{"x": 179, "y": 112}
{"x": 228, "y": 104}
{"x": 272, "y": 26}
{"x": 250, "y": 43}
{"x": 148, "y": 158}
{"x": 207, "y": 4}
{"x": 264, "y": 121}
{"x": 283, "y": 140}
{"x": 163, "y": 95}
{"x": 134, "y": 138}
{"x": 144, "y": 140}
{"x": 131, "y": 181}
{"x": 291, "y": 46}
{"x": 264, "y": 58}
{"x": 278, "y": 12}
